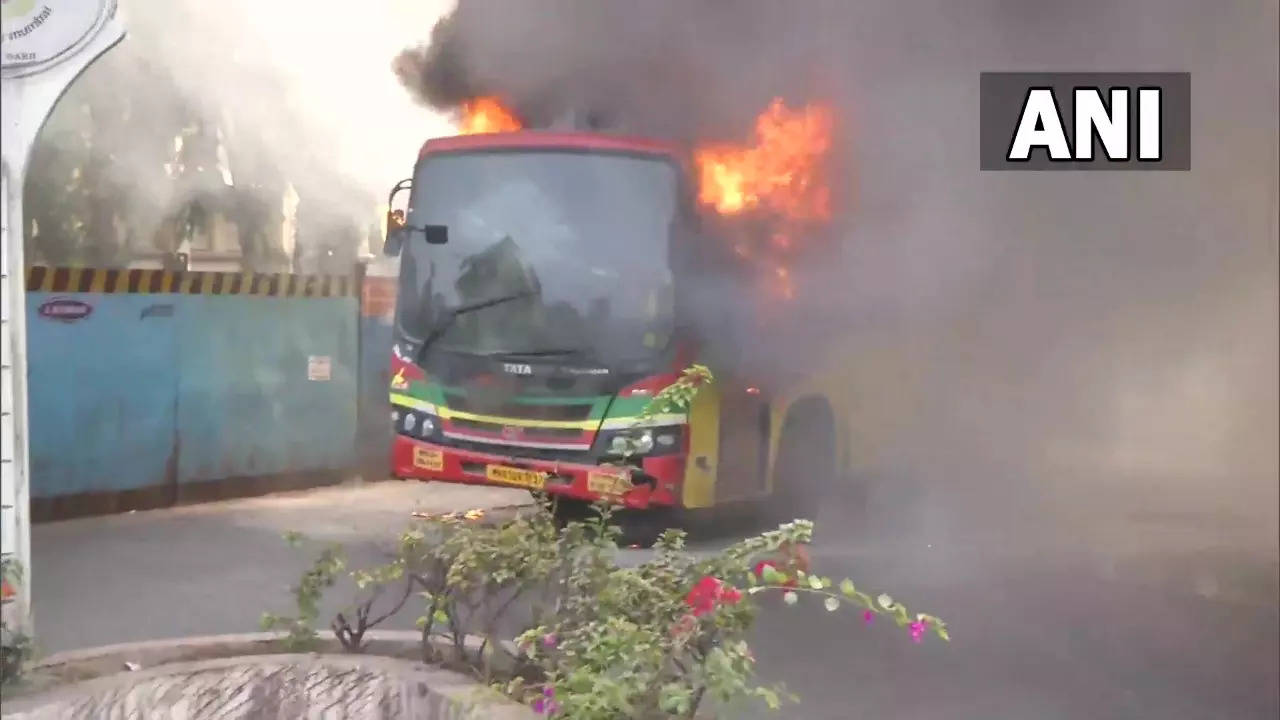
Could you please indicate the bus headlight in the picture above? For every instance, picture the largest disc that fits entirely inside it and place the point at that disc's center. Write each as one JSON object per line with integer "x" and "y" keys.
{"x": 414, "y": 423}
{"x": 654, "y": 441}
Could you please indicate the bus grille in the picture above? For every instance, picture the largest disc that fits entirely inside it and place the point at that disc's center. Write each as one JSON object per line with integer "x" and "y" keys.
{"x": 575, "y": 411}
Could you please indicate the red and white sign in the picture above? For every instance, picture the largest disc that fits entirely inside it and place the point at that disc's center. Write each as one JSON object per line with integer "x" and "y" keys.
{"x": 319, "y": 368}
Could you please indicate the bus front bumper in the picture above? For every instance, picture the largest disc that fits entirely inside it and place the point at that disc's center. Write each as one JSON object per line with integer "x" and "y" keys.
{"x": 655, "y": 483}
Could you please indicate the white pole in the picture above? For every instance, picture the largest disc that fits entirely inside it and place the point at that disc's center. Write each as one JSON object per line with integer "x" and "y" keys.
{"x": 47, "y": 45}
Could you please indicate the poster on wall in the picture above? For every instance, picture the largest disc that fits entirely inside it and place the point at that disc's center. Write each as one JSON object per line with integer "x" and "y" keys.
{"x": 318, "y": 368}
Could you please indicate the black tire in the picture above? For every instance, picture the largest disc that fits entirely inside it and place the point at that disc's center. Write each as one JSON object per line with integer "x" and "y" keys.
{"x": 640, "y": 528}
{"x": 567, "y": 510}
{"x": 806, "y": 464}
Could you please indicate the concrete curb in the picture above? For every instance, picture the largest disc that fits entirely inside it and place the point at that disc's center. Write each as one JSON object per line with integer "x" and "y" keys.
{"x": 94, "y": 682}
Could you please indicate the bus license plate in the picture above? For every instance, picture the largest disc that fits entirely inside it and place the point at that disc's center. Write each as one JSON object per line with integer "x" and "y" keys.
{"x": 532, "y": 479}
{"x": 425, "y": 459}
{"x": 606, "y": 483}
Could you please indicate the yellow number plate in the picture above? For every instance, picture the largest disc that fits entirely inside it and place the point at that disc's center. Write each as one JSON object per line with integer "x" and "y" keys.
{"x": 531, "y": 479}
{"x": 605, "y": 483}
{"x": 428, "y": 459}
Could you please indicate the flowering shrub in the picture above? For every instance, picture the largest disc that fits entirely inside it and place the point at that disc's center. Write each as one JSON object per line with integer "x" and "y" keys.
{"x": 600, "y": 641}
{"x": 595, "y": 641}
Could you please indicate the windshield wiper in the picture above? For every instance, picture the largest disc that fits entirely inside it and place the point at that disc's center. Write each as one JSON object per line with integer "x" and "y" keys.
{"x": 452, "y": 315}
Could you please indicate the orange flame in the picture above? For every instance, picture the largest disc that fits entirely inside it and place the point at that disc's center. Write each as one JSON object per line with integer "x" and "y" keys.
{"x": 781, "y": 173}
{"x": 487, "y": 115}
{"x": 779, "y": 181}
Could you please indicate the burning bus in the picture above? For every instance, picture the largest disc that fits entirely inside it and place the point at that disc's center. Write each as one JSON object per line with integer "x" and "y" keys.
{"x": 547, "y": 289}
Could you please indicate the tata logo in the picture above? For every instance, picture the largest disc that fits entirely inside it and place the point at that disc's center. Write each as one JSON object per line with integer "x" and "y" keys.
{"x": 65, "y": 310}
{"x": 517, "y": 369}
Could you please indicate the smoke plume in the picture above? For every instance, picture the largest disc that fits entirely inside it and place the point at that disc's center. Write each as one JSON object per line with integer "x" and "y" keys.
{"x": 294, "y": 91}
{"x": 1101, "y": 340}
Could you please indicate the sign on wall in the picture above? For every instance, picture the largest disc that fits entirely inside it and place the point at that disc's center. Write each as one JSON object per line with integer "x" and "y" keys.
{"x": 319, "y": 368}
{"x": 66, "y": 310}
{"x": 41, "y": 32}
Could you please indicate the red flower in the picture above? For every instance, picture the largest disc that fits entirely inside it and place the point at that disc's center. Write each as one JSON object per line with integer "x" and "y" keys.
{"x": 710, "y": 592}
{"x": 702, "y": 598}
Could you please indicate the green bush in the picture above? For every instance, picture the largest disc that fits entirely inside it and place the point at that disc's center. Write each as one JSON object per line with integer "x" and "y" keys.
{"x": 599, "y": 641}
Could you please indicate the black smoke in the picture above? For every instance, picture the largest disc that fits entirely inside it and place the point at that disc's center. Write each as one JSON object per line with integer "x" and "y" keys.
{"x": 1095, "y": 339}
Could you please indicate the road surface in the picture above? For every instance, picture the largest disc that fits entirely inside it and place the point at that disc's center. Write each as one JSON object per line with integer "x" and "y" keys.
{"x": 1171, "y": 617}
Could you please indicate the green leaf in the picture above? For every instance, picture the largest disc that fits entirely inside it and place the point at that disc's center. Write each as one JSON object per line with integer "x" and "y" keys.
{"x": 846, "y": 587}
{"x": 832, "y": 604}
{"x": 815, "y": 582}
{"x": 770, "y": 698}
{"x": 441, "y": 616}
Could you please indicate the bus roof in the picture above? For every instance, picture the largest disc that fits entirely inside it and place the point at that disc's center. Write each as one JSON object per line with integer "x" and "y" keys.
{"x": 549, "y": 140}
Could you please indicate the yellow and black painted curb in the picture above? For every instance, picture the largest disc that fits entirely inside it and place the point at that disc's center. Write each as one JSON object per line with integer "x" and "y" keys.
{"x": 150, "y": 282}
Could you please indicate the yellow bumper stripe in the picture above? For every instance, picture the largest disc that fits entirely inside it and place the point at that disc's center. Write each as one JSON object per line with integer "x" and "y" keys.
{"x": 610, "y": 424}
{"x": 412, "y": 403}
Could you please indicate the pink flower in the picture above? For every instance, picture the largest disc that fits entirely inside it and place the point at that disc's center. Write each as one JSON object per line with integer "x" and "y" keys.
{"x": 546, "y": 705}
{"x": 549, "y": 640}
{"x": 917, "y": 630}
{"x": 868, "y": 616}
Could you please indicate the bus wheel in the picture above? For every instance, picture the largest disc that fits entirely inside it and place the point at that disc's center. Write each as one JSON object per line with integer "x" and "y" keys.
{"x": 567, "y": 510}
{"x": 641, "y": 528}
{"x": 806, "y": 464}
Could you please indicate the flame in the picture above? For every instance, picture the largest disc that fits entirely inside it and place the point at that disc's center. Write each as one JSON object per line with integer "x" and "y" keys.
{"x": 487, "y": 115}
{"x": 780, "y": 173}
{"x": 777, "y": 181}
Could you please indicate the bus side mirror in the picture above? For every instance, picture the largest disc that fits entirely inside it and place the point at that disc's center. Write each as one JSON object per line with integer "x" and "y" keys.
{"x": 436, "y": 234}
{"x": 395, "y": 233}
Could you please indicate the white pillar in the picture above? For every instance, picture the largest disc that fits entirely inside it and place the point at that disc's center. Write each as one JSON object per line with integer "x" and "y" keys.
{"x": 47, "y": 44}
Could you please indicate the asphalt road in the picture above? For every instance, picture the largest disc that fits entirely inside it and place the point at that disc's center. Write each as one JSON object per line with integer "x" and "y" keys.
{"x": 1156, "y": 617}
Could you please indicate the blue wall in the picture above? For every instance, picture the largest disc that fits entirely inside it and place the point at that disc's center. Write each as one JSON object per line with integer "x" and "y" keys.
{"x": 170, "y": 388}
{"x": 102, "y": 396}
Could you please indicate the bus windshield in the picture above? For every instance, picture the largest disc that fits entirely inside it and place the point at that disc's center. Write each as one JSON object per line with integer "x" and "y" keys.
{"x": 571, "y": 246}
